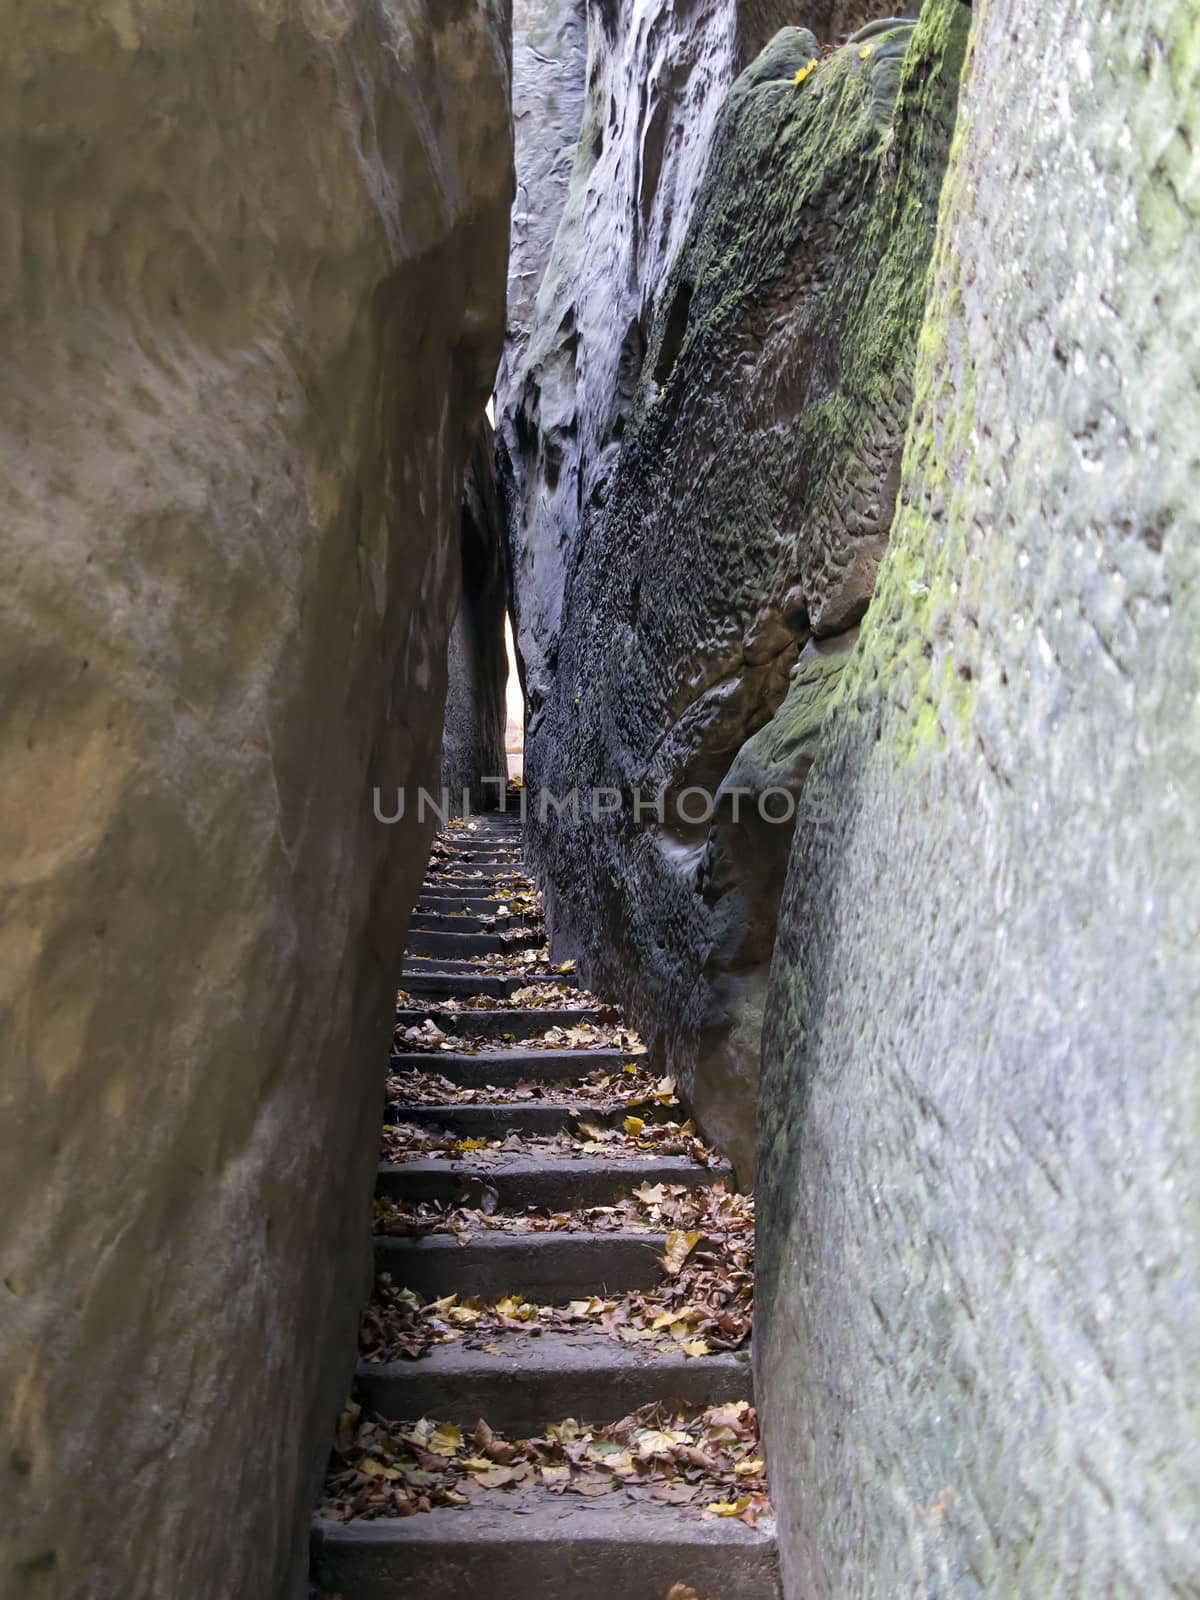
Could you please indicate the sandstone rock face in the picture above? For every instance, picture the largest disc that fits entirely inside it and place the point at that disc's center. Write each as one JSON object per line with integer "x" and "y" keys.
{"x": 473, "y": 756}
{"x": 549, "y": 67}
{"x": 838, "y": 19}
{"x": 738, "y": 514}
{"x": 655, "y": 80}
{"x": 979, "y": 1271}
{"x": 252, "y": 301}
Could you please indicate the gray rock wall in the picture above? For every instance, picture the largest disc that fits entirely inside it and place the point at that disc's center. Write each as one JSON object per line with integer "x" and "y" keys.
{"x": 655, "y": 80}
{"x": 550, "y": 49}
{"x": 248, "y": 308}
{"x": 735, "y": 521}
{"x": 979, "y": 1276}
{"x": 477, "y": 665}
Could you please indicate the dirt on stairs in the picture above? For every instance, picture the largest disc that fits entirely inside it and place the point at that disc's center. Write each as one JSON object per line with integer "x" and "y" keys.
{"x": 554, "y": 1393}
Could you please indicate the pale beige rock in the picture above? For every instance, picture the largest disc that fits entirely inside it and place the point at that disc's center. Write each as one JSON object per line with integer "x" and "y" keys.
{"x": 251, "y": 297}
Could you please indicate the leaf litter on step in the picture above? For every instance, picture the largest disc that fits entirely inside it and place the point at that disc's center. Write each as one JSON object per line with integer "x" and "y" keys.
{"x": 706, "y": 1459}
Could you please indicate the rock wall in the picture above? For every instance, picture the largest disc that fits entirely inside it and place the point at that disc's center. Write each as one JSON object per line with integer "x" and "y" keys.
{"x": 477, "y": 665}
{"x": 979, "y": 1273}
{"x": 250, "y": 301}
{"x": 838, "y": 19}
{"x": 655, "y": 79}
{"x": 550, "y": 46}
{"x": 729, "y": 538}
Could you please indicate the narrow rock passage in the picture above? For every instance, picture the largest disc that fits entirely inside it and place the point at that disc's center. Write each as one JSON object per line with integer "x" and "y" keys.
{"x": 554, "y": 1390}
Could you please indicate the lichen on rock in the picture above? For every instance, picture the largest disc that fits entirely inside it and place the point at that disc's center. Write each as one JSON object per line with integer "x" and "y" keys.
{"x": 743, "y": 509}
{"x": 978, "y": 1274}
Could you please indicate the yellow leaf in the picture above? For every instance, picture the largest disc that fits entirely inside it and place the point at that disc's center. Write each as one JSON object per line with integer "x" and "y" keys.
{"x": 446, "y": 1439}
{"x": 654, "y": 1443}
{"x": 651, "y": 1194}
{"x": 806, "y": 72}
{"x": 513, "y": 1306}
{"x": 695, "y": 1347}
{"x": 864, "y": 52}
{"x": 751, "y": 1468}
{"x": 588, "y": 1308}
{"x": 629, "y": 1066}
{"x": 633, "y": 1126}
{"x": 679, "y": 1246}
{"x": 471, "y": 1144}
{"x": 728, "y": 1508}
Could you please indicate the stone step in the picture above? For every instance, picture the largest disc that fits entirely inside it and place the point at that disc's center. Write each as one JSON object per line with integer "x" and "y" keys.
{"x": 539, "y": 1379}
{"x": 488, "y": 866}
{"x": 496, "y": 1024}
{"x": 442, "y": 901}
{"x": 484, "y": 969}
{"x": 508, "y": 854}
{"x": 452, "y": 922}
{"x": 422, "y": 941}
{"x": 539, "y": 1181}
{"x": 504, "y": 1069}
{"x": 482, "y": 880}
{"x": 477, "y": 1119}
{"x": 462, "y": 985}
{"x": 480, "y": 839}
{"x": 507, "y": 846}
{"x": 547, "y": 1268}
{"x": 518, "y": 1543}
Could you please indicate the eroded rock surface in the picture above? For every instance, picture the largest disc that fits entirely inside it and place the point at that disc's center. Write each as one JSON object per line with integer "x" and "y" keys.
{"x": 979, "y": 1279}
{"x": 738, "y": 513}
{"x": 655, "y": 81}
{"x": 473, "y": 759}
{"x": 251, "y": 303}
{"x": 549, "y": 68}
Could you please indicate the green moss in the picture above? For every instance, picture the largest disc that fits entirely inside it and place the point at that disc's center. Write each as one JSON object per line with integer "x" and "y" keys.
{"x": 845, "y": 168}
{"x": 794, "y": 730}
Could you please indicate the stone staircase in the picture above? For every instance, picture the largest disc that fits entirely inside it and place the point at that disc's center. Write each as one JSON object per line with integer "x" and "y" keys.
{"x": 544, "y": 1232}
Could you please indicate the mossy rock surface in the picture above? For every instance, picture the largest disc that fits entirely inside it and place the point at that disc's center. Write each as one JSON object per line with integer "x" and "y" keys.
{"x": 741, "y": 508}
{"x": 978, "y": 1186}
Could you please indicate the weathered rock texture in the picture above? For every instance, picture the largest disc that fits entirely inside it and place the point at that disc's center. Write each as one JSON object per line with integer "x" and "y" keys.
{"x": 477, "y": 666}
{"x": 251, "y": 298}
{"x": 835, "y": 20}
{"x": 655, "y": 80}
{"x": 549, "y": 68}
{"x": 979, "y": 1269}
{"x": 739, "y": 514}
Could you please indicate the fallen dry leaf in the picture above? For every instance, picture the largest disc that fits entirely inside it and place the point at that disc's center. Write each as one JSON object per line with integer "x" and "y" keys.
{"x": 679, "y": 1246}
